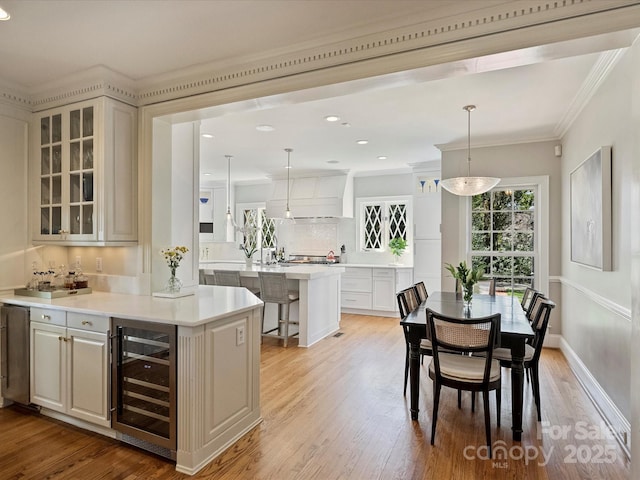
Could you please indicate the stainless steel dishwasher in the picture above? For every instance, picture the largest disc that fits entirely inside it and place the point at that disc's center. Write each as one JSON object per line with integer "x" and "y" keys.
{"x": 14, "y": 346}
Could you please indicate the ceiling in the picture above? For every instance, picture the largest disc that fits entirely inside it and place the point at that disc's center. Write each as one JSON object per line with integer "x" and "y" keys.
{"x": 521, "y": 96}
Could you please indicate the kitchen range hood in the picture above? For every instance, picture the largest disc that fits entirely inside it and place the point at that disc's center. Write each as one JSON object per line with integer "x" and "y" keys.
{"x": 313, "y": 197}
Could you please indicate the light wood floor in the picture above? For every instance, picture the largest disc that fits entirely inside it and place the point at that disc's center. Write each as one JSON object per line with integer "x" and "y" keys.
{"x": 336, "y": 411}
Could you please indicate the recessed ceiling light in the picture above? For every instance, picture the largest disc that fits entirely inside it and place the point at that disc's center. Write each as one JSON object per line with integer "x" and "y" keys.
{"x": 362, "y": 142}
{"x": 207, "y": 135}
{"x": 332, "y": 118}
{"x": 4, "y": 15}
{"x": 265, "y": 128}
{"x": 207, "y": 174}
{"x": 333, "y": 161}
{"x": 382, "y": 157}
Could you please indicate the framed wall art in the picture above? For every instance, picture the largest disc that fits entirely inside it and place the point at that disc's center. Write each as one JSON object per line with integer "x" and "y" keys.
{"x": 591, "y": 211}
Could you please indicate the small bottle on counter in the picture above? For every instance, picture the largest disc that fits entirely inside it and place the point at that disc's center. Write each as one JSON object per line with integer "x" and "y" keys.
{"x": 69, "y": 282}
{"x": 81, "y": 280}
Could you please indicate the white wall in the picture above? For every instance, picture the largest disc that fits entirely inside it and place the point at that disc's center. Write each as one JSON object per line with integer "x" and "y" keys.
{"x": 596, "y": 305}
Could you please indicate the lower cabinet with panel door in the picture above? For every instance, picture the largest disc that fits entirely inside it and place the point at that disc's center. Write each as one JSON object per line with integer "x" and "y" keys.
{"x": 70, "y": 364}
{"x": 370, "y": 290}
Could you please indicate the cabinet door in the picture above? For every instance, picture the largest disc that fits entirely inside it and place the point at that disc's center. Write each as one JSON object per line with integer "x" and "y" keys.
{"x": 48, "y": 374}
{"x": 384, "y": 293}
{"x": 88, "y": 375}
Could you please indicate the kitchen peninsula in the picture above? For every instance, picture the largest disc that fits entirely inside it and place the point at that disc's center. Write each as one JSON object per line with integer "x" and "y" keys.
{"x": 217, "y": 356}
{"x": 318, "y": 312}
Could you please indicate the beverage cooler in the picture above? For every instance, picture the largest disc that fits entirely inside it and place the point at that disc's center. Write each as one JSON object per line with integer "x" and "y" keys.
{"x": 143, "y": 373}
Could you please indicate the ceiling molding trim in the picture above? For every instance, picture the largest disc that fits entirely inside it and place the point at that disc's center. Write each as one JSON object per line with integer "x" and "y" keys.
{"x": 600, "y": 71}
{"x": 456, "y": 32}
{"x": 449, "y": 147}
{"x": 503, "y": 18}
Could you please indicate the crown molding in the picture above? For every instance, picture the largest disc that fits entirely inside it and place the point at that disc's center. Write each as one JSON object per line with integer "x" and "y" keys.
{"x": 600, "y": 71}
{"x": 448, "y": 38}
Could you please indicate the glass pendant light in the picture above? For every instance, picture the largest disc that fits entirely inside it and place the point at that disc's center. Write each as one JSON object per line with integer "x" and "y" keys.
{"x": 468, "y": 186}
{"x": 288, "y": 216}
{"x": 231, "y": 224}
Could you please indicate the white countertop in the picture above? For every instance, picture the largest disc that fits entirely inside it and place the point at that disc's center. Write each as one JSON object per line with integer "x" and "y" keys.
{"x": 209, "y": 303}
{"x": 374, "y": 265}
{"x": 293, "y": 272}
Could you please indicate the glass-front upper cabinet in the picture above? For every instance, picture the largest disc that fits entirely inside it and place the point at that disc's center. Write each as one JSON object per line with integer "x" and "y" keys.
{"x": 87, "y": 183}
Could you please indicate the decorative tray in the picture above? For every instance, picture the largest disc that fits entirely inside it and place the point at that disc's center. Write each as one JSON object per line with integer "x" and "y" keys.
{"x": 51, "y": 294}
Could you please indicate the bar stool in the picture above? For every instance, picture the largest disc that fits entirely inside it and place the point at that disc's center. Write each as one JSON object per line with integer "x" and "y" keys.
{"x": 230, "y": 278}
{"x": 274, "y": 289}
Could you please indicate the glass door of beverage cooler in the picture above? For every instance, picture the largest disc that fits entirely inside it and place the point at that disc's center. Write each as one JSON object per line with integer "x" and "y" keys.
{"x": 144, "y": 381}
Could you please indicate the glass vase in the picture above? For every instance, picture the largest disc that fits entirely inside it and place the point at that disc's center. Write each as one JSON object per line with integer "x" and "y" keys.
{"x": 467, "y": 295}
{"x": 173, "y": 284}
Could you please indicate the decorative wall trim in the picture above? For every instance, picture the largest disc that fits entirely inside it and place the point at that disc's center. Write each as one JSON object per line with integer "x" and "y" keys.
{"x": 590, "y": 86}
{"x": 613, "y": 307}
{"x": 612, "y": 416}
{"x": 448, "y": 32}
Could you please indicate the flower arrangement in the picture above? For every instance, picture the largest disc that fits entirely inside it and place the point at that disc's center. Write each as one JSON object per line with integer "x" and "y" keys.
{"x": 397, "y": 246}
{"x": 467, "y": 277}
{"x": 173, "y": 256}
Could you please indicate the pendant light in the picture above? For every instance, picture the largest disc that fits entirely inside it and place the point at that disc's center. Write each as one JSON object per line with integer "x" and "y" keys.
{"x": 231, "y": 224}
{"x": 468, "y": 186}
{"x": 288, "y": 216}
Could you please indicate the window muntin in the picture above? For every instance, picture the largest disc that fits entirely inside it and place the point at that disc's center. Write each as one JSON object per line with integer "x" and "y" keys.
{"x": 504, "y": 236}
{"x": 383, "y": 219}
{"x": 257, "y": 226}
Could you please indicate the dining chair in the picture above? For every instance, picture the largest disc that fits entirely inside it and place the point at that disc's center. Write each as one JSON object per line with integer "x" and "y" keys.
{"x": 467, "y": 364}
{"x": 527, "y": 296}
{"x": 407, "y": 303}
{"x": 532, "y": 352}
{"x": 421, "y": 291}
{"x": 275, "y": 289}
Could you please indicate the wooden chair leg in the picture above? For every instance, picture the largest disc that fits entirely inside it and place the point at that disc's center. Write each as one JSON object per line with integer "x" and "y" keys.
{"x": 498, "y": 402}
{"x": 473, "y": 402}
{"x": 535, "y": 381}
{"x": 286, "y": 325}
{"x": 406, "y": 370}
{"x": 434, "y": 417}
{"x": 459, "y": 398}
{"x": 487, "y": 419}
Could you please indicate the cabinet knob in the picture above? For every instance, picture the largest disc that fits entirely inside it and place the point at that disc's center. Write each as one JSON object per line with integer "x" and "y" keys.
{"x": 86, "y": 322}
{"x": 46, "y": 317}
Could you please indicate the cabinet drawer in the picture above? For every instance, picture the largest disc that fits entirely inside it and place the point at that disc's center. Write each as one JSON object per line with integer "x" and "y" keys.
{"x": 356, "y": 272}
{"x": 384, "y": 272}
{"x": 356, "y": 300}
{"x": 349, "y": 284}
{"x": 52, "y": 317}
{"x": 83, "y": 321}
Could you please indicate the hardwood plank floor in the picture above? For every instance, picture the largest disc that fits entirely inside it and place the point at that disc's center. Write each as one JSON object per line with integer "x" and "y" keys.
{"x": 336, "y": 411}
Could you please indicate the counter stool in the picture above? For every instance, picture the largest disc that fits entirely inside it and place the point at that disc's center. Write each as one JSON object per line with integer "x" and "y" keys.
{"x": 230, "y": 278}
{"x": 274, "y": 289}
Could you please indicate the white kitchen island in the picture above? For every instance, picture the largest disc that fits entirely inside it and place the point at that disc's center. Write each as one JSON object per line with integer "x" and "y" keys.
{"x": 318, "y": 310}
{"x": 218, "y": 362}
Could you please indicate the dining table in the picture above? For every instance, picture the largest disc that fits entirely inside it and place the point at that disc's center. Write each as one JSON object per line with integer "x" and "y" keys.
{"x": 515, "y": 330}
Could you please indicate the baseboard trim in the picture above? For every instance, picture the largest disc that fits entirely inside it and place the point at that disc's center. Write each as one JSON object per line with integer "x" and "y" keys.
{"x": 613, "y": 418}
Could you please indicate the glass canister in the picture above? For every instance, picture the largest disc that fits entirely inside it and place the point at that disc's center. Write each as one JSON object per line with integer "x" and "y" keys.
{"x": 81, "y": 280}
{"x": 69, "y": 280}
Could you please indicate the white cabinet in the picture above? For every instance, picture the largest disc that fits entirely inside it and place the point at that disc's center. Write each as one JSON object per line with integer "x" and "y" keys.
{"x": 70, "y": 364}
{"x": 384, "y": 289}
{"x": 372, "y": 290}
{"x": 85, "y": 169}
{"x": 355, "y": 289}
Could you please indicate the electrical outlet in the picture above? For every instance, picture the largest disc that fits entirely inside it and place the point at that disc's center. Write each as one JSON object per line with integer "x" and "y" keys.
{"x": 239, "y": 335}
{"x": 78, "y": 261}
{"x": 98, "y": 264}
